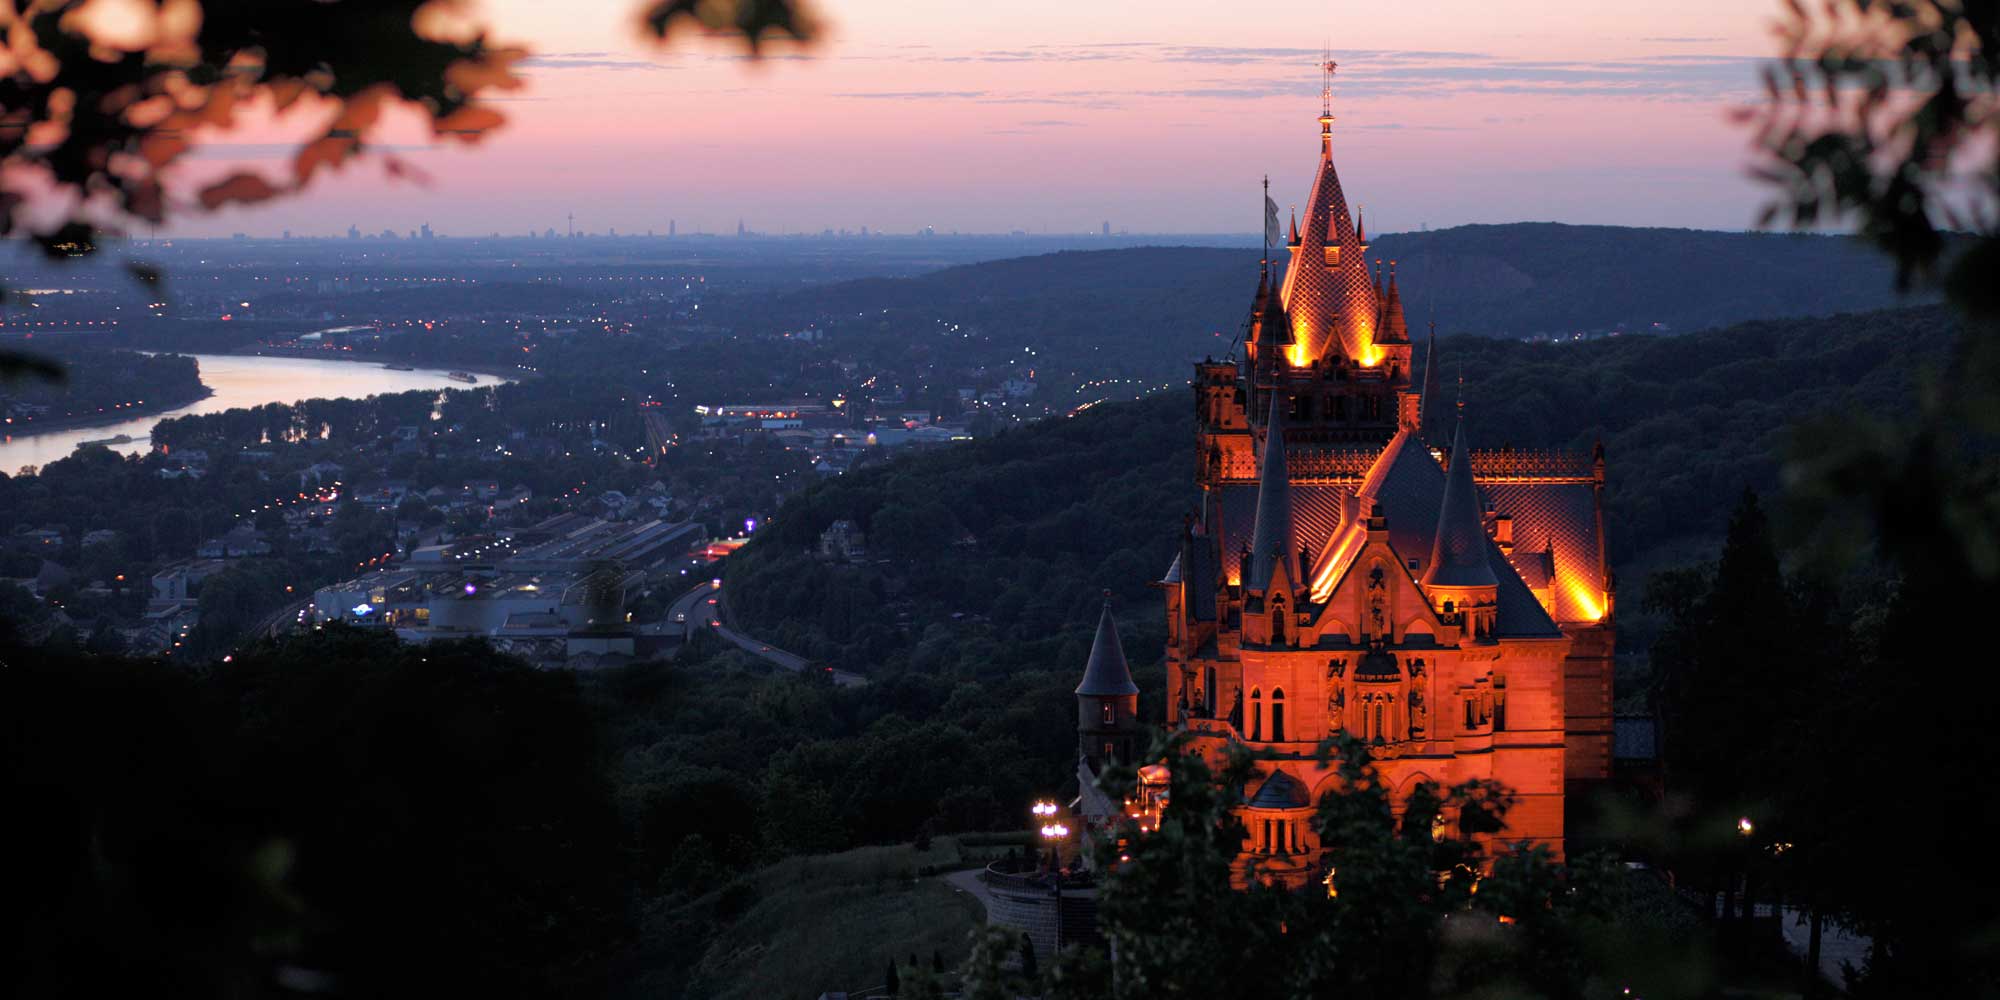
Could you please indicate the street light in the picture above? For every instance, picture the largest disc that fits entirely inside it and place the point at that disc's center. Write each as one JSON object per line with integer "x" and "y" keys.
{"x": 1054, "y": 833}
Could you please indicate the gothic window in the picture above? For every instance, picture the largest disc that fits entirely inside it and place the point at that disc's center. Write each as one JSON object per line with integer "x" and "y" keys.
{"x": 1277, "y": 622}
{"x": 1256, "y": 714}
{"x": 1277, "y": 715}
{"x": 1110, "y": 713}
{"x": 1378, "y": 727}
{"x": 1340, "y": 407}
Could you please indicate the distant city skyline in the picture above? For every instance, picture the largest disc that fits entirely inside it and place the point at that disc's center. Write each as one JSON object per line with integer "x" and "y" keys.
{"x": 1053, "y": 118}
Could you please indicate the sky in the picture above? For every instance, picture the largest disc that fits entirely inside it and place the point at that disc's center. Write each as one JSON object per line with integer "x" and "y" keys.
{"x": 1059, "y": 115}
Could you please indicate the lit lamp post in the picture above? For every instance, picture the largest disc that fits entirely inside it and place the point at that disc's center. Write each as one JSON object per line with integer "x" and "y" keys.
{"x": 1054, "y": 833}
{"x": 1045, "y": 815}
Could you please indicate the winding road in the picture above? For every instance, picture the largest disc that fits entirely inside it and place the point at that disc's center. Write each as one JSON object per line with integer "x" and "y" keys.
{"x": 702, "y": 608}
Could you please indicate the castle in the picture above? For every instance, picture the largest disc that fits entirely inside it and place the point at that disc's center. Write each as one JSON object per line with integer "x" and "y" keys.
{"x": 1357, "y": 568}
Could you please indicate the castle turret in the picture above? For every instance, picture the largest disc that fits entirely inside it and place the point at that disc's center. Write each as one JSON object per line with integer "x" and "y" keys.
{"x": 1271, "y": 579}
{"x": 1107, "y": 702}
{"x": 1459, "y": 579}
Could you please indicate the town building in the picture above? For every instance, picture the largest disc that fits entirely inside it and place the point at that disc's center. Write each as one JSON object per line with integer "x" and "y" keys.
{"x": 1358, "y": 569}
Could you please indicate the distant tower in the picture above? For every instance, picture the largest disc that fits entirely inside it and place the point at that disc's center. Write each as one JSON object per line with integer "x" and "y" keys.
{"x": 1107, "y": 227}
{"x": 571, "y": 217}
{"x": 672, "y": 228}
{"x": 353, "y": 232}
{"x": 1107, "y": 702}
{"x": 740, "y": 231}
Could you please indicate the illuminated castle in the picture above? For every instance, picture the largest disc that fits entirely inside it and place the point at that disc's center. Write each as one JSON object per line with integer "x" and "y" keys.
{"x": 1348, "y": 574}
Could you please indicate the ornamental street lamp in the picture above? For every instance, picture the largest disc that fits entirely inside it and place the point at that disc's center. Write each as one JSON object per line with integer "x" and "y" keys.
{"x": 1054, "y": 833}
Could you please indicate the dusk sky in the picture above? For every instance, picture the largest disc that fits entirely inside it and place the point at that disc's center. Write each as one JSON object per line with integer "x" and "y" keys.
{"x": 1056, "y": 116}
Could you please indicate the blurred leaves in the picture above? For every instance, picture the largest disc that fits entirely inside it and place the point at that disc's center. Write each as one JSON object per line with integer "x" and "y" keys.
{"x": 751, "y": 19}
{"x": 1885, "y": 112}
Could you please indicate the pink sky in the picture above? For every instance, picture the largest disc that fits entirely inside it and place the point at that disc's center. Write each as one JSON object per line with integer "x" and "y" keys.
{"x": 1043, "y": 115}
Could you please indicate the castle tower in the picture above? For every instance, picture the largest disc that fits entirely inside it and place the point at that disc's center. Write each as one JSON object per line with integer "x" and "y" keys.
{"x": 1107, "y": 702}
{"x": 1459, "y": 579}
{"x": 1346, "y": 578}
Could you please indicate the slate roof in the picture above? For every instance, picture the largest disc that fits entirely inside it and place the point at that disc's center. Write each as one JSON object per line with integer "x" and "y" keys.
{"x": 1106, "y": 674}
{"x": 1458, "y": 556}
{"x": 1280, "y": 791}
{"x": 1273, "y": 537}
{"x": 1330, "y": 308}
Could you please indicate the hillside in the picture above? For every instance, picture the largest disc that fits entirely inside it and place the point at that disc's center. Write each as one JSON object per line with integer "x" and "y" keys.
{"x": 1512, "y": 280}
{"x": 990, "y": 557}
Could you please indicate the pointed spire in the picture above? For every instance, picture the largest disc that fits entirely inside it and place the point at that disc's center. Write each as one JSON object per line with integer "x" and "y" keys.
{"x": 1326, "y": 287}
{"x": 1458, "y": 555}
{"x": 1106, "y": 674}
{"x": 1361, "y": 227}
{"x": 1272, "y": 541}
{"x": 1274, "y": 328}
{"x": 1429, "y": 388}
{"x": 1394, "y": 328}
{"x": 1295, "y": 226}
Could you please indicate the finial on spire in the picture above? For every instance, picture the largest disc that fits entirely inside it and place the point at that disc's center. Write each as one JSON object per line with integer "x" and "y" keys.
{"x": 1461, "y": 389}
{"x": 1326, "y": 68}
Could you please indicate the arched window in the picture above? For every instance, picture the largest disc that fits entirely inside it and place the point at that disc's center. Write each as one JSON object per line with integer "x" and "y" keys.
{"x": 1256, "y": 714}
{"x": 1208, "y": 691}
{"x": 1378, "y": 727}
{"x": 1277, "y": 621}
{"x": 1277, "y": 715}
{"x": 1110, "y": 713}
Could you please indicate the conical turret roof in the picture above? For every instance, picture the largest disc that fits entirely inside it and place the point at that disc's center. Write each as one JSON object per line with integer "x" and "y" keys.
{"x": 1394, "y": 329}
{"x": 1458, "y": 556}
{"x": 1106, "y": 675}
{"x": 1326, "y": 290}
{"x": 1273, "y": 540}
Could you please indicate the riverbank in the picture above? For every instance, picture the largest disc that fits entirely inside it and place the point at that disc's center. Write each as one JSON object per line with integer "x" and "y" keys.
{"x": 322, "y": 354}
{"x": 235, "y": 382}
{"x": 51, "y": 425}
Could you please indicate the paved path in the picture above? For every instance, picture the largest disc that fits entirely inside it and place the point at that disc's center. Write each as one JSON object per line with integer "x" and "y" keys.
{"x": 968, "y": 881}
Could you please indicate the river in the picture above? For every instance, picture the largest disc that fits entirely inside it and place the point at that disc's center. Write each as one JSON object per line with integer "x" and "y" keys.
{"x": 238, "y": 381}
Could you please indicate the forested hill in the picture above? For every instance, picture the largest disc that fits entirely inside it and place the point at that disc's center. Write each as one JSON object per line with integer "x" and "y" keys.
{"x": 1511, "y": 280}
{"x": 993, "y": 554}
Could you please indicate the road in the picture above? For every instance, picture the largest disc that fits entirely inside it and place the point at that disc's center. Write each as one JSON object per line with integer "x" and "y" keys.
{"x": 701, "y": 608}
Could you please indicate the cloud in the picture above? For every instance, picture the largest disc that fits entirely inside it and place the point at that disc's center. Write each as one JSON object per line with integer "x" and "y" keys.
{"x": 912, "y": 95}
{"x": 1684, "y": 40}
{"x": 286, "y": 150}
{"x": 588, "y": 60}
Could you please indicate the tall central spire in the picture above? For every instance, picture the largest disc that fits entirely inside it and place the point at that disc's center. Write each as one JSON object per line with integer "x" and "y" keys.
{"x": 1326, "y": 290}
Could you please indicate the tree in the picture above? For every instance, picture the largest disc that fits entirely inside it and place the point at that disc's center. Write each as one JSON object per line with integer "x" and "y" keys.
{"x": 1399, "y": 916}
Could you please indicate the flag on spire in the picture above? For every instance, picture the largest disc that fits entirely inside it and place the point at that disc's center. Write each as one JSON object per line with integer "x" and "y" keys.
{"x": 1273, "y": 232}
